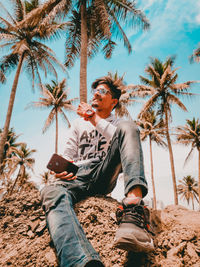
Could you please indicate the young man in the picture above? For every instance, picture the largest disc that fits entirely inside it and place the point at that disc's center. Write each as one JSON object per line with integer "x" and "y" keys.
{"x": 102, "y": 146}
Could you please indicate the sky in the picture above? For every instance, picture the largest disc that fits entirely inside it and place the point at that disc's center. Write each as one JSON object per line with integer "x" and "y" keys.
{"x": 175, "y": 30}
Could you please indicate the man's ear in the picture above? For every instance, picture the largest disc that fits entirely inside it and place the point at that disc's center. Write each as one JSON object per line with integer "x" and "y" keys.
{"x": 115, "y": 101}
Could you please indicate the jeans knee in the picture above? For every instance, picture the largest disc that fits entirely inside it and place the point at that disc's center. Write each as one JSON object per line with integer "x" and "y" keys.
{"x": 51, "y": 196}
{"x": 128, "y": 127}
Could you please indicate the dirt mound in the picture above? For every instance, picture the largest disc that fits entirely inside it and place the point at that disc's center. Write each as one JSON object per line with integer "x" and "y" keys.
{"x": 178, "y": 236}
{"x": 24, "y": 239}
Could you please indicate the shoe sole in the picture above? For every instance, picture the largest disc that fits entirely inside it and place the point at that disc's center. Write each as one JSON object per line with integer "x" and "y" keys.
{"x": 132, "y": 244}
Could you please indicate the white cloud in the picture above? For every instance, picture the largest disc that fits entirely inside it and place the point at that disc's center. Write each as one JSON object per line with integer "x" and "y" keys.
{"x": 168, "y": 18}
{"x": 198, "y": 15}
{"x": 146, "y": 4}
{"x": 198, "y": 18}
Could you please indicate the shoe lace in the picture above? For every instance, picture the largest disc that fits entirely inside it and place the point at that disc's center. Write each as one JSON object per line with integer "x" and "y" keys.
{"x": 137, "y": 214}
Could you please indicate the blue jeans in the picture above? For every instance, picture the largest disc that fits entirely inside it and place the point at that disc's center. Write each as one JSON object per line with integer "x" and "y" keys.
{"x": 97, "y": 177}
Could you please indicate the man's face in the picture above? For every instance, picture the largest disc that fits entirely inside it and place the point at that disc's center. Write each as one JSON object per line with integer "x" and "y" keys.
{"x": 102, "y": 98}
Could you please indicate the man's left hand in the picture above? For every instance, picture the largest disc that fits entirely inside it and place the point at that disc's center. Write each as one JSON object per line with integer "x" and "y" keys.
{"x": 82, "y": 108}
{"x": 64, "y": 176}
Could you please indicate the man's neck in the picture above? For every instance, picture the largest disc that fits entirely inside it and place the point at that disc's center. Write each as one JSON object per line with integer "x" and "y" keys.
{"x": 103, "y": 114}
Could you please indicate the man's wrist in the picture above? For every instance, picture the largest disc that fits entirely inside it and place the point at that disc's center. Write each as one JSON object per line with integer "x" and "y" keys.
{"x": 89, "y": 113}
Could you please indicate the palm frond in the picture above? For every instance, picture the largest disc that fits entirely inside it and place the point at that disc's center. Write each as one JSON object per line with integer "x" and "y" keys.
{"x": 19, "y": 10}
{"x": 49, "y": 120}
{"x": 54, "y": 9}
{"x": 108, "y": 48}
{"x": 124, "y": 37}
{"x": 103, "y": 17}
{"x": 9, "y": 62}
{"x": 127, "y": 11}
{"x": 182, "y": 86}
{"x": 148, "y": 105}
{"x": 65, "y": 118}
{"x": 9, "y": 16}
{"x": 195, "y": 57}
{"x": 154, "y": 74}
{"x": 189, "y": 155}
{"x": 146, "y": 81}
{"x": 175, "y": 100}
{"x": 2, "y": 77}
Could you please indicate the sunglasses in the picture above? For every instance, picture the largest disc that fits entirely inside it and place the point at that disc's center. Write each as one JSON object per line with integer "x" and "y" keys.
{"x": 101, "y": 91}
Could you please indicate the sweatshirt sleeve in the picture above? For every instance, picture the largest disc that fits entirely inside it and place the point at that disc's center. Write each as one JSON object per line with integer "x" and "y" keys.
{"x": 106, "y": 129}
{"x": 71, "y": 147}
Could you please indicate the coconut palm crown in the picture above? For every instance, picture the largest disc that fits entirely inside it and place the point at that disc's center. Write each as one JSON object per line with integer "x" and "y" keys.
{"x": 195, "y": 57}
{"x": 187, "y": 189}
{"x": 23, "y": 41}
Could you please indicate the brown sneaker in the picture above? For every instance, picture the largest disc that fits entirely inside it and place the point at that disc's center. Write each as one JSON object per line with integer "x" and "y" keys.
{"x": 133, "y": 233}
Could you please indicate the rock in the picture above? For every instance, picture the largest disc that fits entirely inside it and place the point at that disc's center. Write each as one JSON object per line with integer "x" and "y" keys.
{"x": 191, "y": 251}
{"x": 173, "y": 261}
{"x": 30, "y": 234}
{"x": 50, "y": 256}
{"x": 175, "y": 250}
{"x": 34, "y": 225}
{"x": 41, "y": 228}
{"x": 113, "y": 216}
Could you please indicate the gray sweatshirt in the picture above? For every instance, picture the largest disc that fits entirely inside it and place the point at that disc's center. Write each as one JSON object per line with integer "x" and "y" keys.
{"x": 86, "y": 142}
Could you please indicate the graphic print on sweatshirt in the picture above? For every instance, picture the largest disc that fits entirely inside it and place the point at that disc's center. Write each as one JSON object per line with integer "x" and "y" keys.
{"x": 92, "y": 145}
{"x": 85, "y": 142}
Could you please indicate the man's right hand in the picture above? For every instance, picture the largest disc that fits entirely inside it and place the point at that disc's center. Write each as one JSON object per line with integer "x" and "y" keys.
{"x": 64, "y": 176}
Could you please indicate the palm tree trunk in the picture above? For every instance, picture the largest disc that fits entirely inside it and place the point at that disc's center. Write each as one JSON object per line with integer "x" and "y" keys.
{"x": 171, "y": 160}
{"x": 56, "y": 143}
{"x": 152, "y": 175}
{"x": 10, "y": 109}
{"x": 83, "y": 57}
{"x": 12, "y": 188}
{"x": 199, "y": 179}
{"x": 192, "y": 203}
{"x": 23, "y": 173}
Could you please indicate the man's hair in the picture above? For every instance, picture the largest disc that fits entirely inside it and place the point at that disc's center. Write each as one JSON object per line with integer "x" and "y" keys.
{"x": 114, "y": 85}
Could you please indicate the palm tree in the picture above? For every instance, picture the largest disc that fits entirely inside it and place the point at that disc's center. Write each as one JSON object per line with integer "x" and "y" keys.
{"x": 23, "y": 160}
{"x": 152, "y": 128}
{"x": 164, "y": 92}
{"x": 26, "y": 184}
{"x": 189, "y": 135}
{"x": 55, "y": 97}
{"x": 9, "y": 147}
{"x": 195, "y": 56}
{"x": 22, "y": 39}
{"x": 92, "y": 26}
{"x": 2, "y": 77}
{"x": 188, "y": 189}
{"x": 46, "y": 177}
